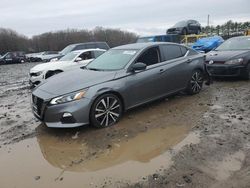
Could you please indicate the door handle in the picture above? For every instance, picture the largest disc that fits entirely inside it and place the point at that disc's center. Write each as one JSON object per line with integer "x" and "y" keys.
{"x": 161, "y": 71}
{"x": 189, "y": 60}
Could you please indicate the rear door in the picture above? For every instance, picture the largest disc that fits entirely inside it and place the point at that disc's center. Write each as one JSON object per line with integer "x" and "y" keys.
{"x": 176, "y": 69}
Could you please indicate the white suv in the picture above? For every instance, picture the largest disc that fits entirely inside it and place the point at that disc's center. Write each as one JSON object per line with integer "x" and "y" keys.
{"x": 70, "y": 61}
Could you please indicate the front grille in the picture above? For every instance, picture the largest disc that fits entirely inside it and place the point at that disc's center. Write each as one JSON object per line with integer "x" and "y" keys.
{"x": 223, "y": 71}
{"x": 38, "y": 106}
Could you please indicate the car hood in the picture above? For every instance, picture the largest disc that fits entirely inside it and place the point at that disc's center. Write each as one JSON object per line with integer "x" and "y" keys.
{"x": 75, "y": 80}
{"x": 223, "y": 56}
{"x": 49, "y": 66}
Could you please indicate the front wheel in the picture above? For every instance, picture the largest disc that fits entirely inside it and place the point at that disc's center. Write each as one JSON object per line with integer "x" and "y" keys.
{"x": 196, "y": 82}
{"x": 106, "y": 111}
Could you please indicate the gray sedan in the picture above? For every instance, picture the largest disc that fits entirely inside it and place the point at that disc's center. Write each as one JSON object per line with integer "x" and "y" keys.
{"x": 120, "y": 79}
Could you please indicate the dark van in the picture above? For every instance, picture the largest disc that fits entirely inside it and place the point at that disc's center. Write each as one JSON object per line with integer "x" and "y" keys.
{"x": 160, "y": 38}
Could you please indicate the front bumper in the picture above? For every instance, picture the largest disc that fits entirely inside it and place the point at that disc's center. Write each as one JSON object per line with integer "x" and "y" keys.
{"x": 222, "y": 70}
{"x": 35, "y": 80}
{"x": 52, "y": 115}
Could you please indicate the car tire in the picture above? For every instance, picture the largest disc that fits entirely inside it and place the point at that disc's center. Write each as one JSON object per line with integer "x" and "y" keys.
{"x": 106, "y": 111}
{"x": 195, "y": 83}
{"x": 246, "y": 75}
{"x": 184, "y": 31}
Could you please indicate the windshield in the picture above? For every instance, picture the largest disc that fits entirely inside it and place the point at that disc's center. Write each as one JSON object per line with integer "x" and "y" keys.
{"x": 5, "y": 54}
{"x": 181, "y": 24}
{"x": 112, "y": 60}
{"x": 67, "y": 49}
{"x": 235, "y": 44}
{"x": 69, "y": 57}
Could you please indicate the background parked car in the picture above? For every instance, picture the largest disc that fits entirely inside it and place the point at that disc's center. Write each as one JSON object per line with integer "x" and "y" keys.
{"x": 160, "y": 38}
{"x": 231, "y": 58}
{"x": 185, "y": 27}
{"x": 13, "y": 57}
{"x": 122, "y": 78}
{"x": 207, "y": 44}
{"x": 79, "y": 46}
{"x": 70, "y": 61}
{"x": 41, "y": 56}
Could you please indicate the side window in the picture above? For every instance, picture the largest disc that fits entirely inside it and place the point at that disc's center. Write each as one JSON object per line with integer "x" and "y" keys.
{"x": 171, "y": 52}
{"x": 150, "y": 57}
{"x": 192, "y": 52}
{"x": 86, "y": 55}
{"x": 183, "y": 50}
{"x": 79, "y": 47}
{"x": 98, "y": 53}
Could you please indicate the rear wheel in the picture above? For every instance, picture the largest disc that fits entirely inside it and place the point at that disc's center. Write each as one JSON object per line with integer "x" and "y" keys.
{"x": 106, "y": 111}
{"x": 196, "y": 82}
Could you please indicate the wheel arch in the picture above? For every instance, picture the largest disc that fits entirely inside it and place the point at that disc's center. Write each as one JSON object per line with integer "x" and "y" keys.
{"x": 47, "y": 74}
{"x": 116, "y": 93}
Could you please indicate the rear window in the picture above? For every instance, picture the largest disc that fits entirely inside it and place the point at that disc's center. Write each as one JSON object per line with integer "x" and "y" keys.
{"x": 102, "y": 46}
{"x": 80, "y": 47}
{"x": 171, "y": 52}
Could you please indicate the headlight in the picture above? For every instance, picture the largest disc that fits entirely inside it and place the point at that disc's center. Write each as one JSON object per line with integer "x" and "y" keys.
{"x": 54, "y": 59}
{"x": 68, "y": 98}
{"x": 234, "y": 61}
{"x": 36, "y": 73}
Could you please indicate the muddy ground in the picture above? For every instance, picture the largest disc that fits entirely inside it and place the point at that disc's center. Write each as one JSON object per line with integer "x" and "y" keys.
{"x": 181, "y": 141}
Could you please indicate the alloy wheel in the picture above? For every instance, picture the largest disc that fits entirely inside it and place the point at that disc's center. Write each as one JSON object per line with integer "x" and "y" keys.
{"x": 196, "y": 82}
{"x": 107, "y": 111}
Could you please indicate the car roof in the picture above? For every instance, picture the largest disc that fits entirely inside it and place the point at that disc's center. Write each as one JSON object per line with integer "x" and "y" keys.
{"x": 152, "y": 36}
{"x": 140, "y": 46}
{"x": 86, "y": 50}
{"x": 89, "y": 43}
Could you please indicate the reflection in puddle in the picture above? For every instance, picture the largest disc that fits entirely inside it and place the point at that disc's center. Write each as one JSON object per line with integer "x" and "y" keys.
{"x": 70, "y": 156}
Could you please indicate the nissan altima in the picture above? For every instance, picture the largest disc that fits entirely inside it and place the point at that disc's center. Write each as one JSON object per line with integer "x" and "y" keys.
{"x": 231, "y": 58}
{"x": 120, "y": 79}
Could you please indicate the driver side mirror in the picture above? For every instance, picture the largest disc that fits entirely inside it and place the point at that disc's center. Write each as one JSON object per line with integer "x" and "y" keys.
{"x": 78, "y": 59}
{"x": 138, "y": 67}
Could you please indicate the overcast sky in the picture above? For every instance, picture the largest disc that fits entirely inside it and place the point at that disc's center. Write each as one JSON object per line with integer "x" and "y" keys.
{"x": 145, "y": 17}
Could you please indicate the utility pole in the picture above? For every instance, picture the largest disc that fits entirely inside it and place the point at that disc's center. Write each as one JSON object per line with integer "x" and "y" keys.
{"x": 208, "y": 17}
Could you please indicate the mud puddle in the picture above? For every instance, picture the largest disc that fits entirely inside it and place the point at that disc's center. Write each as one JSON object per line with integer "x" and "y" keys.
{"x": 51, "y": 162}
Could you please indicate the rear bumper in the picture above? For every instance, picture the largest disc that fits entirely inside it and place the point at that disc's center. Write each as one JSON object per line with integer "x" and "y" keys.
{"x": 226, "y": 70}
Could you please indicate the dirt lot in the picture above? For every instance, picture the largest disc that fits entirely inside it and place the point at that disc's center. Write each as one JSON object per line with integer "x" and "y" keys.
{"x": 182, "y": 141}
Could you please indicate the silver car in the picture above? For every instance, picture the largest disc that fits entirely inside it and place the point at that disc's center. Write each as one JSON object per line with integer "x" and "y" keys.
{"x": 120, "y": 79}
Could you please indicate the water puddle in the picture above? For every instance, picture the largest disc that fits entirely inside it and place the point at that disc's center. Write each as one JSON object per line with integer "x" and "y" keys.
{"x": 49, "y": 161}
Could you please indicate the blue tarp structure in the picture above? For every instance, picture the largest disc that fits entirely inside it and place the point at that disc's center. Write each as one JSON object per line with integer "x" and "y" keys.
{"x": 208, "y": 43}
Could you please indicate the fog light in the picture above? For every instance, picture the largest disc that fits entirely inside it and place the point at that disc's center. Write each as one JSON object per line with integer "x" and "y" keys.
{"x": 67, "y": 118}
